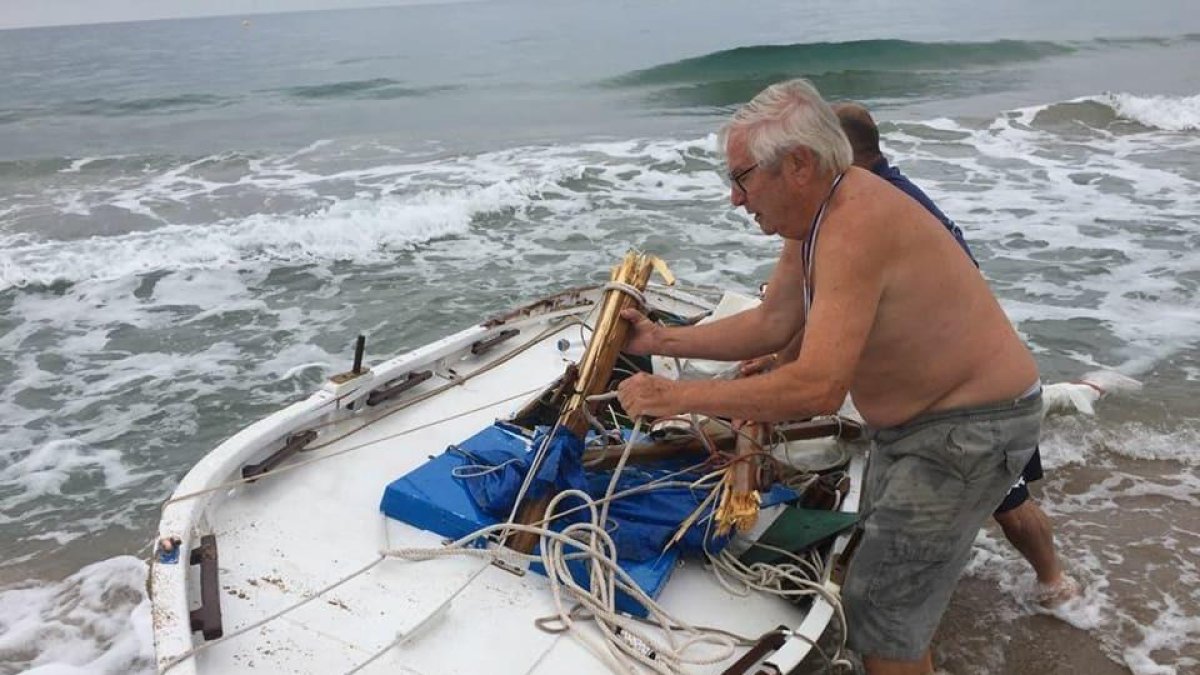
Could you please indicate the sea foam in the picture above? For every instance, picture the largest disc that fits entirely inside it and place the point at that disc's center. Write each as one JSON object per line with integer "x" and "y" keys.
{"x": 97, "y": 621}
{"x": 1171, "y": 113}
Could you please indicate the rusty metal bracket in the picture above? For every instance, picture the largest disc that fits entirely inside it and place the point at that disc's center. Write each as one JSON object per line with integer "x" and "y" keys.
{"x": 480, "y": 346}
{"x": 295, "y": 443}
{"x": 767, "y": 644}
{"x": 509, "y": 567}
{"x": 394, "y": 388}
{"x": 207, "y": 617}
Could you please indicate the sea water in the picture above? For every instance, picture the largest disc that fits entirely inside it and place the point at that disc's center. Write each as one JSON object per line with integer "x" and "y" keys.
{"x": 198, "y": 216}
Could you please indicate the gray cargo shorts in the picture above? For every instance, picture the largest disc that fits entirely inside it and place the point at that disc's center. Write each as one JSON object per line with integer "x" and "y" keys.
{"x": 931, "y": 484}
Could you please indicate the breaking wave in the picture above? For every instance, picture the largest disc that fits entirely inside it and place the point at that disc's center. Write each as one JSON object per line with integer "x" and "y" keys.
{"x": 869, "y": 70}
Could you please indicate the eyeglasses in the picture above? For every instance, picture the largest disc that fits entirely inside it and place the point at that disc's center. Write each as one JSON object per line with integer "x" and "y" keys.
{"x": 736, "y": 178}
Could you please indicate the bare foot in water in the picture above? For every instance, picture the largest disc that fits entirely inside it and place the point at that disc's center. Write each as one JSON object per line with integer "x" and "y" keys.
{"x": 1056, "y": 594}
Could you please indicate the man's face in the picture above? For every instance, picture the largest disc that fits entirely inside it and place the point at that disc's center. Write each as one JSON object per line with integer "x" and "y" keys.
{"x": 777, "y": 197}
{"x": 749, "y": 183}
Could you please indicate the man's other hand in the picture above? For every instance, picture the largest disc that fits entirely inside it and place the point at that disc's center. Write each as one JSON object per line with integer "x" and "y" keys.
{"x": 643, "y": 333}
{"x": 755, "y": 366}
{"x": 648, "y": 395}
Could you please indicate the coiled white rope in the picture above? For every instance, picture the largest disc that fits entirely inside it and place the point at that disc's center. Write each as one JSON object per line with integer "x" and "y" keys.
{"x": 627, "y": 647}
{"x": 788, "y": 580}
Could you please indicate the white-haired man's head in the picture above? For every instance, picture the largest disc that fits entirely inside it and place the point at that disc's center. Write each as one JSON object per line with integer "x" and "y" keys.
{"x": 784, "y": 116}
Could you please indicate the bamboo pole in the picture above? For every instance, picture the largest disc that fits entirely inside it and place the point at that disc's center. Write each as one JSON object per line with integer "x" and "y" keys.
{"x": 740, "y": 496}
{"x": 595, "y": 368}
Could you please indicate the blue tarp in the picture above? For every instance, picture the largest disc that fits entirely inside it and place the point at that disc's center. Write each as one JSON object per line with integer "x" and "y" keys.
{"x": 495, "y": 491}
{"x": 641, "y": 524}
{"x": 646, "y": 521}
{"x": 443, "y": 496}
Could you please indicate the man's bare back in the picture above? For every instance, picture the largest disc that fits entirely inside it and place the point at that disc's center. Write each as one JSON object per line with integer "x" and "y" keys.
{"x": 939, "y": 340}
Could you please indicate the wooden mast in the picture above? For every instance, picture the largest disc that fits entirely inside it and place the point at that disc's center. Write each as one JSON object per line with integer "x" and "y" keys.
{"x": 595, "y": 368}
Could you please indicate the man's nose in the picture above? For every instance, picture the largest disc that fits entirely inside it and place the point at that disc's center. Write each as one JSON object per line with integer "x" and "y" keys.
{"x": 736, "y": 196}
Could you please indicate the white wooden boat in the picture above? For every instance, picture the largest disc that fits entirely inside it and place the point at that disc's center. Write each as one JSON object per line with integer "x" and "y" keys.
{"x": 286, "y": 572}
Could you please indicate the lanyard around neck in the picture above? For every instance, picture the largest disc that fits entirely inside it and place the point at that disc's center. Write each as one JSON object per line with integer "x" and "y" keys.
{"x": 809, "y": 250}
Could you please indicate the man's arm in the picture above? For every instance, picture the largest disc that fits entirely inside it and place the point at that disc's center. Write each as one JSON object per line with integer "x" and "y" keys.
{"x": 849, "y": 285}
{"x": 764, "y": 363}
{"x": 754, "y": 332}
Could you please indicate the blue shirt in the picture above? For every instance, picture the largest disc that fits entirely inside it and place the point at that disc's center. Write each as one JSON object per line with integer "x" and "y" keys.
{"x": 892, "y": 175}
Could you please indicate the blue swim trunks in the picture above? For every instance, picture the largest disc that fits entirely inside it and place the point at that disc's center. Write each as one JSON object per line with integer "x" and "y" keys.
{"x": 1020, "y": 490}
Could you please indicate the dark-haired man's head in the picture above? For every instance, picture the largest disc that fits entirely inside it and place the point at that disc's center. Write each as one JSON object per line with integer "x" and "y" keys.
{"x": 860, "y": 128}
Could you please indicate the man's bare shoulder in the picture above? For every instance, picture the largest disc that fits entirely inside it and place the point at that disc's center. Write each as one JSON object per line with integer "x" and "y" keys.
{"x": 868, "y": 195}
{"x": 861, "y": 222}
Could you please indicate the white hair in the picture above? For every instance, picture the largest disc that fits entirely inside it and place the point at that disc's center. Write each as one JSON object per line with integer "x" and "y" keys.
{"x": 786, "y": 115}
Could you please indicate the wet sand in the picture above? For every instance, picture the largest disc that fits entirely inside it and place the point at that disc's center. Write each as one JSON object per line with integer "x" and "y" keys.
{"x": 1125, "y": 529}
{"x": 975, "y": 639}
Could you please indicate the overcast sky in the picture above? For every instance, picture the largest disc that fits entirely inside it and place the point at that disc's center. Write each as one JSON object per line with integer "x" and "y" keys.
{"x": 24, "y": 13}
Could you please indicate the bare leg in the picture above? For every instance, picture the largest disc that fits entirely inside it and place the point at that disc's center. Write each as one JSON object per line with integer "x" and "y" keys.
{"x": 1029, "y": 531}
{"x": 878, "y": 666}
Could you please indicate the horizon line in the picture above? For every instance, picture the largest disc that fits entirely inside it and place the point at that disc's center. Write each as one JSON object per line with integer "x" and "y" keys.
{"x": 368, "y": 5}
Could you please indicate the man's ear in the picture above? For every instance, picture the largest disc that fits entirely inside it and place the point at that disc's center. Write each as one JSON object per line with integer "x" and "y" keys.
{"x": 800, "y": 164}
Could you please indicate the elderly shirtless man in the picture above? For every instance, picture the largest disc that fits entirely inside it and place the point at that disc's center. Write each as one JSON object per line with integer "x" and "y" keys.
{"x": 892, "y": 312}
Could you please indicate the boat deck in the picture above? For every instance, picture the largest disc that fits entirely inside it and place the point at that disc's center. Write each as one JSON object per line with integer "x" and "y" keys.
{"x": 310, "y": 525}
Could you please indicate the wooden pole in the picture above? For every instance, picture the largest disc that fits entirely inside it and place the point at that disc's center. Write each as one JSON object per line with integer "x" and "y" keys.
{"x": 740, "y": 496}
{"x": 595, "y": 371}
{"x": 725, "y": 440}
